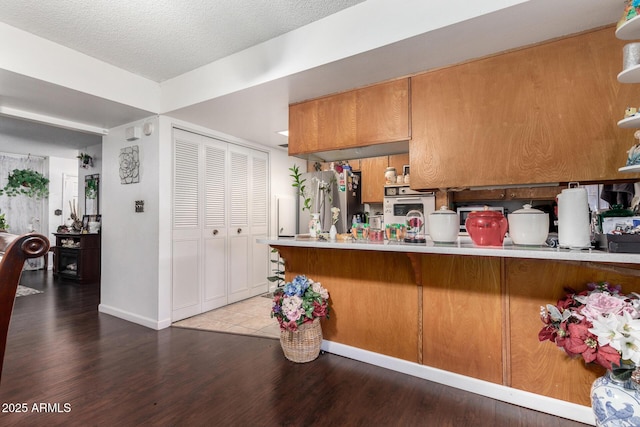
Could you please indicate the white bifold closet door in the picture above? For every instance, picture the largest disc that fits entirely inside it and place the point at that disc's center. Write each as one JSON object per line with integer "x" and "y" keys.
{"x": 220, "y": 209}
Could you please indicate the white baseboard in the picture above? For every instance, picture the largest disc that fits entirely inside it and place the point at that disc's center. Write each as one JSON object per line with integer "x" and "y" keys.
{"x": 134, "y": 318}
{"x": 545, "y": 404}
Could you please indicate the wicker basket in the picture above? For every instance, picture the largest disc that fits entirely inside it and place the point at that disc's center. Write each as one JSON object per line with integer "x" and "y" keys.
{"x": 302, "y": 345}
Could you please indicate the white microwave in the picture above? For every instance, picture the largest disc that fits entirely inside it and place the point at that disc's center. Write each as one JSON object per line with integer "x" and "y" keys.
{"x": 464, "y": 211}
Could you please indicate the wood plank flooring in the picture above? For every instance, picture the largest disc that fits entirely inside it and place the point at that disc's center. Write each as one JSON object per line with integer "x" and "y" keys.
{"x": 92, "y": 369}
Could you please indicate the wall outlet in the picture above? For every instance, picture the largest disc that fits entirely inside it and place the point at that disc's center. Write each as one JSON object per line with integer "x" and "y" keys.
{"x": 139, "y": 206}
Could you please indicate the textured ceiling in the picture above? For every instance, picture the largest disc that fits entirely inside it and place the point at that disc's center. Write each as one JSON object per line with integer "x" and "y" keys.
{"x": 246, "y": 95}
{"x": 161, "y": 39}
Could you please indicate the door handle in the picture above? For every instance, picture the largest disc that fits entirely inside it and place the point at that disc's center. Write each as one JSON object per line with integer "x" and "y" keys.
{"x": 215, "y": 232}
{"x": 239, "y": 230}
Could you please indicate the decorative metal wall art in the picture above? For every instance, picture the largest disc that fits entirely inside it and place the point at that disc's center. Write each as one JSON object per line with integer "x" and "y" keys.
{"x": 130, "y": 165}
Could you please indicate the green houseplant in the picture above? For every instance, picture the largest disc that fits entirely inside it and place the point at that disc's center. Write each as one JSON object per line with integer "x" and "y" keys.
{"x": 299, "y": 184}
{"x": 3, "y": 223}
{"x": 27, "y": 182}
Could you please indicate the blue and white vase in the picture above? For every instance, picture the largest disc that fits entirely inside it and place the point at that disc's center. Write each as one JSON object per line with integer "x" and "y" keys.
{"x": 615, "y": 402}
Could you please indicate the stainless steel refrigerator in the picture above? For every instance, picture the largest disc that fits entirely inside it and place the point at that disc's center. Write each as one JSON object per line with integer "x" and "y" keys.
{"x": 329, "y": 189}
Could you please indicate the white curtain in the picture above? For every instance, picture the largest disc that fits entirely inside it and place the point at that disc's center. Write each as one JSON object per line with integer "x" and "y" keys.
{"x": 22, "y": 213}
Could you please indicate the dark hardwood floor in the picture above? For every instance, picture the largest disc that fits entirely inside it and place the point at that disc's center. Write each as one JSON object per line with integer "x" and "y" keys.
{"x": 92, "y": 369}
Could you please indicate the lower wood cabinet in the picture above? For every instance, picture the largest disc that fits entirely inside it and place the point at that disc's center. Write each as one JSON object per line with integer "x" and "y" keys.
{"x": 472, "y": 315}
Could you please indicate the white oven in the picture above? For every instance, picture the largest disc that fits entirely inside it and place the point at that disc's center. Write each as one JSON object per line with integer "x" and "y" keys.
{"x": 399, "y": 200}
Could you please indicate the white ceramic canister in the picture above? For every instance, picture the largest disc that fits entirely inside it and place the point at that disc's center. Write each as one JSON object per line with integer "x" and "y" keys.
{"x": 528, "y": 226}
{"x": 444, "y": 225}
{"x": 574, "y": 228}
{"x": 390, "y": 175}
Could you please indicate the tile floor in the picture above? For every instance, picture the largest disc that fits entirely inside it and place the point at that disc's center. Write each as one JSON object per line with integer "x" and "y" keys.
{"x": 248, "y": 317}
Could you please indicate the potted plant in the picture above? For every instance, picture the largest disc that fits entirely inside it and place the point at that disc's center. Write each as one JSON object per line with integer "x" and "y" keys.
{"x": 601, "y": 325}
{"x": 299, "y": 183}
{"x": 278, "y": 270}
{"x": 27, "y": 182}
{"x": 298, "y": 307}
{"x": 86, "y": 161}
{"x": 3, "y": 223}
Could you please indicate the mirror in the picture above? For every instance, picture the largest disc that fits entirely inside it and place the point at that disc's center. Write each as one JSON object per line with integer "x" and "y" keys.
{"x": 91, "y": 194}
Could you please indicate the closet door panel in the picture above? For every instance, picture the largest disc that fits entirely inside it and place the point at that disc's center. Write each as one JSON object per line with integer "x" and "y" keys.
{"x": 259, "y": 203}
{"x": 238, "y": 287}
{"x": 186, "y": 295}
{"x": 214, "y": 232}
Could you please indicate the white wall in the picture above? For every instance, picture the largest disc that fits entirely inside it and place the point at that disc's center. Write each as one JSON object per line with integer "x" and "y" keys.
{"x": 136, "y": 248}
{"x": 130, "y": 261}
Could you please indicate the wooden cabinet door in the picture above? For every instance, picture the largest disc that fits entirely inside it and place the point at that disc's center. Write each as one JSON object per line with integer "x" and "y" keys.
{"x": 303, "y": 128}
{"x": 398, "y": 161}
{"x": 373, "y": 178}
{"x": 538, "y": 115}
{"x": 337, "y": 121}
{"x": 383, "y": 112}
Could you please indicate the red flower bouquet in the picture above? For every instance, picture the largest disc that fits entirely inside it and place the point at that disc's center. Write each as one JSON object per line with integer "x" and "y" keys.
{"x": 600, "y": 324}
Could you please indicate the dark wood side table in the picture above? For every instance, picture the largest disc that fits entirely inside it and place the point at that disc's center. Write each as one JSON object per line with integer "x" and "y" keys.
{"x": 76, "y": 257}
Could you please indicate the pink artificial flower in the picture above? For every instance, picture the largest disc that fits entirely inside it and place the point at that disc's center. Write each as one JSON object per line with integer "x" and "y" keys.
{"x": 603, "y": 304}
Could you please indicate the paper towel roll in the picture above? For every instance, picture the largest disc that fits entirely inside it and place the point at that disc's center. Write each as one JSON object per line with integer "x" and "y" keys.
{"x": 574, "y": 228}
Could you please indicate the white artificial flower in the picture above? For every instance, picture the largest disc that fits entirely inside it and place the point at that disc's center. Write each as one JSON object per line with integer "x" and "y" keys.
{"x": 606, "y": 329}
{"x": 317, "y": 288}
{"x": 292, "y": 307}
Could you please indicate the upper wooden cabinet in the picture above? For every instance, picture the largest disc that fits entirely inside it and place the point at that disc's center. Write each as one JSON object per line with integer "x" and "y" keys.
{"x": 373, "y": 180}
{"x": 372, "y": 184}
{"x": 398, "y": 161}
{"x": 303, "y": 128}
{"x": 371, "y": 115}
{"x": 542, "y": 114}
{"x": 382, "y": 112}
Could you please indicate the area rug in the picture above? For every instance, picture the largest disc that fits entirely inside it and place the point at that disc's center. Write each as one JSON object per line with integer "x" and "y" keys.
{"x": 24, "y": 291}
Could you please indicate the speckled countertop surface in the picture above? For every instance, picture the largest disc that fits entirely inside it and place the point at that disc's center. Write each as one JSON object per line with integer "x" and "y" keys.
{"x": 463, "y": 246}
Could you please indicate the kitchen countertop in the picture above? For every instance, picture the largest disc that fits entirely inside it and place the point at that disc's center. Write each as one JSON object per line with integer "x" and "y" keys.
{"x": 464, "y": 246}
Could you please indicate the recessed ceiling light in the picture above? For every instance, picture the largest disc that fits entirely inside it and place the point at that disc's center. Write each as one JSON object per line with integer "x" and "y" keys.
{"x": 284, "y": 132}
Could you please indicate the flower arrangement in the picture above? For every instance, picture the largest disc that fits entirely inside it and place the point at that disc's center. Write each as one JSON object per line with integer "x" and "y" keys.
{"x": 601, "y": 324}
{"x": 299, "y": 301}
{"x": 335, "y": 215}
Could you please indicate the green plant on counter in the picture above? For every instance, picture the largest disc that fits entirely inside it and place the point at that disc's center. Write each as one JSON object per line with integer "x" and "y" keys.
{"x": 3, "y": 223}
{"x": 27, "y": 182}
{"x": 300, "y": 185}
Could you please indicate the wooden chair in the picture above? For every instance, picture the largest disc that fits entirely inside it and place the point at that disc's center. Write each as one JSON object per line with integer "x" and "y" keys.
{"x": 17, "y": 249}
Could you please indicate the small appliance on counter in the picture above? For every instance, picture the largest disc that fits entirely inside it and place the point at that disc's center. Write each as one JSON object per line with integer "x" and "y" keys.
{"x": 400, "y": 200}
{"x": 574, "y": 226}
{"x": 487, "y": 227}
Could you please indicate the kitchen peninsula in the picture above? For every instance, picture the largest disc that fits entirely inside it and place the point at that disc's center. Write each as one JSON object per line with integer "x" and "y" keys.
{"x": 458, "y": 314}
